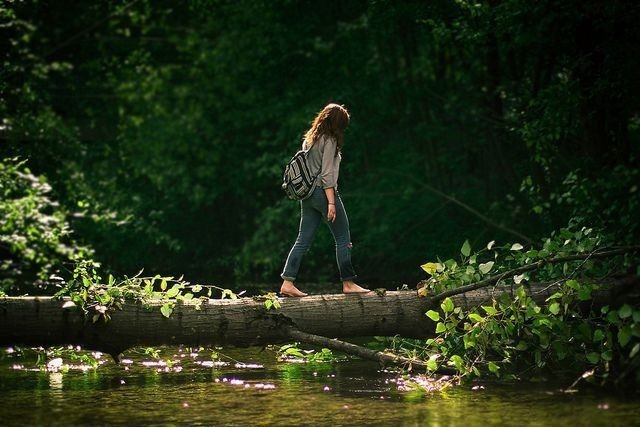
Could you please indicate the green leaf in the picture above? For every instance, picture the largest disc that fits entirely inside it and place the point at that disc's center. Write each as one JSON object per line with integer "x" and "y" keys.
{"x": 554, "y": 308}
{"x": 293, "y": 351}
{"x": 476, "y": 317}
{"x": 593, "y": 357}
{"x": 166, "y": 310}
{"x": 163, "y": 285}
{"x": 469, "y": 342}
{"x": 607, "y": 356}
{"x": 433, "y": 315}
{"x": 613, "y": 317}
{"x": 456, "y": 361}
{"x": 573, "y": 284}
{"x": 486, "y": 267}
{"x": 522, "y": 346}
{"x": 175, "y": 290}
{"x": 515, "y": 247}
{"x": 636, "y": 316}
{"x": 625, "y": 311}
{"x": 196, "y": 289}
{"x": 432, "y": 365}
{"x": 440, "y": 328}
{"x": 447, "y": 305}
{"x": 598, "y": 335}
{"x": 624, "y": 335}
{"x": 490, "y": 310}
{"x": 584, "y": 293}
{"x": 493, "y": 367}
{"x": 556, "y": 295}
{"x": 466, "y": 248}
{"x": 431, "y": 267}
{"x": 490, "y": 244}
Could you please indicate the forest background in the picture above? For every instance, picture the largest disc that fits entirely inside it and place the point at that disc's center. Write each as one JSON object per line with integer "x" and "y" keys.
{"x": 154, "y": 133}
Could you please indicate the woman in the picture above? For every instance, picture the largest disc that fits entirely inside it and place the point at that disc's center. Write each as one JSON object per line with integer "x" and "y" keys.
{"x": 324, "y": 140}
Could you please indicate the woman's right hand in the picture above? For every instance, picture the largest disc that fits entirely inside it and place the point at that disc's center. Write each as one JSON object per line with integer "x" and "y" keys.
{"x": 331, "y": 213}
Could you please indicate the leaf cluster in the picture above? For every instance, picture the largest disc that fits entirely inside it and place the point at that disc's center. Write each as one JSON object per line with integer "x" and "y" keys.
{"x": 99, "y": 298}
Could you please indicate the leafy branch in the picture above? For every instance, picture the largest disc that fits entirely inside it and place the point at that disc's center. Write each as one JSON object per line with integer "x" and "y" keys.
{"x": 88, "y": 291}
{"x": 603, "y": 253}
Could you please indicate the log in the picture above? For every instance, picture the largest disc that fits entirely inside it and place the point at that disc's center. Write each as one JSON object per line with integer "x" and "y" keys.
{"x": 41, "y": 321}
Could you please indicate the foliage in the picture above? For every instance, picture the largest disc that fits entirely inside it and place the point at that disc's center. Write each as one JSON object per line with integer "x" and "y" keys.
{"x": 292, "y": 352}
{"x": 514, "y": 334}
{"x": 141, "y": 114}
{"x": 35, "y": 233}
{"x": 271, "y": 301}
{"x": 98, "y": 298}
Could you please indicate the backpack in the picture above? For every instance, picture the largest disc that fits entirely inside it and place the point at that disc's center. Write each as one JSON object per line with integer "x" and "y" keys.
{"x": 297, "y": 182}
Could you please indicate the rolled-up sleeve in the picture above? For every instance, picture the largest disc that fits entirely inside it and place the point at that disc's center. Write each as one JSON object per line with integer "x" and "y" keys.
{"x": 328, "y": 172}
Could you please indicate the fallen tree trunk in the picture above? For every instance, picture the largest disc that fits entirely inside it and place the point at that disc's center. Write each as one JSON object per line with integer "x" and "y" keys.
{"x": 41, "y": 321}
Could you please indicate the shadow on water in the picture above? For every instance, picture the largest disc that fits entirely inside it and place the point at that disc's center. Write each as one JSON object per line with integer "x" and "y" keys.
{"x": 250, "y": 387}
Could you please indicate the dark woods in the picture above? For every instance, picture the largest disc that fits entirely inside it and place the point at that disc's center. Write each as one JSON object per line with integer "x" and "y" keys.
{"x": 162, "y": 129}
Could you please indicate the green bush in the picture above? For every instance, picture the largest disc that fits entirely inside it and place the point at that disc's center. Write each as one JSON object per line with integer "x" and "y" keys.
{"x": 35, "y": 236}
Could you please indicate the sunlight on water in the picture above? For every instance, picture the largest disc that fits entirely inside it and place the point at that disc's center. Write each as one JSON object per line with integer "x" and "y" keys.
{"x": 251, "y": 387}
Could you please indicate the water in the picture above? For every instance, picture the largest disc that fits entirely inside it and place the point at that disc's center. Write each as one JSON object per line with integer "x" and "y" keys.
{"x": 250, "y": 387}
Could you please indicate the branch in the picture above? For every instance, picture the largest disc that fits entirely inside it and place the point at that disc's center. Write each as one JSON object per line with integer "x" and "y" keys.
{"x": 463, "y": 205}
{"x": 362, "y": 352}
{"x": 494, "y": 279}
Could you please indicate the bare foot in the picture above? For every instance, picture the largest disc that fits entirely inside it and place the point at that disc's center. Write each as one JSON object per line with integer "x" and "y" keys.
{"x": 288, "y": 289}
{"x": 349, "y": 287}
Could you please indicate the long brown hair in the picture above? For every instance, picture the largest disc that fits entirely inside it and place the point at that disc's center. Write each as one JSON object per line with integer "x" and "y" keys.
{"x": 332, "y": 120}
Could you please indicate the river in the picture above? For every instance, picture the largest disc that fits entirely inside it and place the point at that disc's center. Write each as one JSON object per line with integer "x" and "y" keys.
{"x": 251, "y": 387}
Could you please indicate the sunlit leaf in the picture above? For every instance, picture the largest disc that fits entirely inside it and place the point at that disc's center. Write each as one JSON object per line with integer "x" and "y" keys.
{"x": 456, "y": 361}
{"x": 166, "y": 310}
{"x": 69, "y": 304}
{"x": 554, "y": 308}
{"x": 430, "y": 267}
{"x": 447, "y": 305}
{"x": 466, "y": 248}
{"x": 490, "y": 244}
{"x": 175, "y": 290}
{"x": 476, "y": 317}
{"x": 486, "y": 267}
{"x": 515, "y": 247}
{"x": 490, "y": 310}
{"x": 433, "y": 315}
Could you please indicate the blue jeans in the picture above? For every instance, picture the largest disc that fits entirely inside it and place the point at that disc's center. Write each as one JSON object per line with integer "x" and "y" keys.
{"x": 313, "y": 211}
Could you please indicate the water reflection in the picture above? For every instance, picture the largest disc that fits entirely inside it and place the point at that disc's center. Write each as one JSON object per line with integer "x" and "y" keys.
{"x": 250, "y": 387}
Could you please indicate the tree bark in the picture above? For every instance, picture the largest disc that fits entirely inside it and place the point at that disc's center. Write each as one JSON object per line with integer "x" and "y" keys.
{"x": 41, "y": 321}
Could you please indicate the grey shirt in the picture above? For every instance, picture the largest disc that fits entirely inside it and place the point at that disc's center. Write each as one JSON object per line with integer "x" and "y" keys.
{"x": 323, "y": 160}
